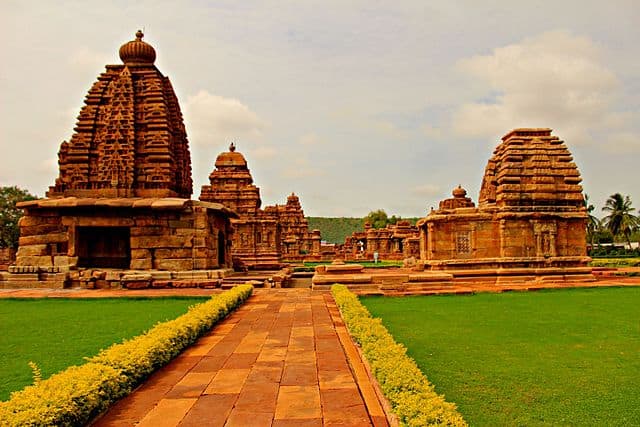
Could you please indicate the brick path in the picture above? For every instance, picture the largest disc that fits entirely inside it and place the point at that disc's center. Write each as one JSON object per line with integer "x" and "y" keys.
{"x": 284, "y": 359}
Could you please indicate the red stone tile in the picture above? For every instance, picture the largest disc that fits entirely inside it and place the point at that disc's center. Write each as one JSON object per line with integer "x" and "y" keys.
{"x": 332, "y": 362}
{"x": 287, "y": 422}
{"x": 168, "y": 413}
{"x": 191, "y": 385}
{"x": 210, "y": 364}
{"x": 380, "y": 421}
{"x": 343, "y": 405}
{"x": 239, "y": 418}
{"x": 336, "y": 379}
{"x": 265, "y": 373}
{"x": 298, "y": 402}
{"x": 258, "y": 397}
{"x": 297, "y": 374}
{"x": 240, "y": 360}
{"x": 224, "y": 348}
{"x": 210, "y": 410}
{"x": 227, "y": 381}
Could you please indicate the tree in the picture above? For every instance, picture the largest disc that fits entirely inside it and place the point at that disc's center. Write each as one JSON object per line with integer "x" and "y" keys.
{"x": 620, "y": 220}
{"x": 10, "y": 215}
{"x": 593, "y": 223}
{"x": 379, "y": 219}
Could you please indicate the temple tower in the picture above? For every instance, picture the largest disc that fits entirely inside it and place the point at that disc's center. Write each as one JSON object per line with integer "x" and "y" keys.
{"x": 130, "y": 139}
{"x": 231, "y": 184}
{"x": 122, "y": 197}
{"x": 530, "y": 215}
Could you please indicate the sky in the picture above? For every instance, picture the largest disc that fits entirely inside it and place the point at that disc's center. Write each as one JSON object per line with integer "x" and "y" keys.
{"x": 353, "y": 105}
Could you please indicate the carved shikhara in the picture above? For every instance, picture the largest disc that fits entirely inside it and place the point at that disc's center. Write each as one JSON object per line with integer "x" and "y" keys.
{"x": 530, "y": 213}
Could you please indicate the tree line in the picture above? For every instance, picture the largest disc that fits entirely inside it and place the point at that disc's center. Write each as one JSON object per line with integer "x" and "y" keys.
{"x": 620, "y": 223}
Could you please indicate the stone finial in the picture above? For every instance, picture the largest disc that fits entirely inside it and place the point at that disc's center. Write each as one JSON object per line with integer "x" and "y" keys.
{"x": 232, "y": 147}
{"x": 137, "y": 52}
{"x": 459, "y": 192}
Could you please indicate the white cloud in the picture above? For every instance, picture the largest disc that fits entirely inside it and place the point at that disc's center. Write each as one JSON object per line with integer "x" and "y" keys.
{"x": 261, "y": 152}
{"x": 426, "y": 190}
{"x": 432, "y": 132}
{"x": 87, "y": 60}
{"x": 555, "y": 80}
{"x": 309, "y": 139}
{"x": 623, "y": 142}
{"x": 216, "y": 120}
{"x": 302, "y": 168}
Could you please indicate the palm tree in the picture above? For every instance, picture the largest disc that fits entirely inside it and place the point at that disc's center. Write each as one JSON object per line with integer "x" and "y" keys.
{"x": 620, "y": 219}
{"x": 593, "y": 223}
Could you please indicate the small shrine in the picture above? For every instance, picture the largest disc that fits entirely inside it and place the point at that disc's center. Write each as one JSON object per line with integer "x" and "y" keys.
{"x": 394, "y": 242}
{"x": 263, "y": 238}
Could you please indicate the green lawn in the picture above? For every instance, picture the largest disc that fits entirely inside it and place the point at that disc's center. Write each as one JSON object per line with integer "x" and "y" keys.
{"x": 566, "y": 357}
{"x": 56, "y": 333}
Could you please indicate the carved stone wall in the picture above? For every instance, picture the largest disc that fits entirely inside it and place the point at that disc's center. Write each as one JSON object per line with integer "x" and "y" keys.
{"x": 161, "y": 234}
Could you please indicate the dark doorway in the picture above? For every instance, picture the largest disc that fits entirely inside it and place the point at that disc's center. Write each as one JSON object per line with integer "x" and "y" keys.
{"x": 221, "y": 247}
{"x": 104, "y": 247}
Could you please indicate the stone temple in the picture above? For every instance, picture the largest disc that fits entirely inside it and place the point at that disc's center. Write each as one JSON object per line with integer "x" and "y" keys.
{"x": 263, "y": 238}
{"x": 394, "y": 242}
{"x": 530, "y": 219}
{"x": 122, "y": 198}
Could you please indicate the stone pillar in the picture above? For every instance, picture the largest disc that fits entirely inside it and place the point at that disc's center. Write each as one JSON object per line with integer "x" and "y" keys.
{"x": 503, "y": 238}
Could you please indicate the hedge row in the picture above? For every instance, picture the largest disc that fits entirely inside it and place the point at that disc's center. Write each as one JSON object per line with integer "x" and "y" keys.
{"x": 79, "y": 393}
{"x": 413, "y": 399}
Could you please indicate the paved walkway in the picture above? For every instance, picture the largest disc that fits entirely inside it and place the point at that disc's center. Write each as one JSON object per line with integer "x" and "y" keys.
{"x": 283, "y": 359}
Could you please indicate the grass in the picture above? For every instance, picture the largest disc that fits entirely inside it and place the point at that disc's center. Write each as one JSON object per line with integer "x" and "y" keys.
{"x": 568, "y": 357}
{"x": 56, "y": 333}
{"x": 616, "y": 262}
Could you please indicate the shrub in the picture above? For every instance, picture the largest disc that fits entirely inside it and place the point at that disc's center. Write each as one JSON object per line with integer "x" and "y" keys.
{"x": 412, "y": 397}
{"x": 79, "y": 393}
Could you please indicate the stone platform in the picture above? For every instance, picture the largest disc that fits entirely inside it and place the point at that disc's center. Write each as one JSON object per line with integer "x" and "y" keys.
{"x": 95, "y": 278}
{"x": 407, "y": 281}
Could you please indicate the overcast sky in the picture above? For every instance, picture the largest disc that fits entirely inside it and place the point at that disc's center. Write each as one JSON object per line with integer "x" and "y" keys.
{"x": 353, "y": 105}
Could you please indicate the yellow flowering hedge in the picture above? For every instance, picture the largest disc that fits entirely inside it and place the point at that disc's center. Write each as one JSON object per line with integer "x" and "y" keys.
{"x": 79, "y": 393}
{"x": 412, "y": 398}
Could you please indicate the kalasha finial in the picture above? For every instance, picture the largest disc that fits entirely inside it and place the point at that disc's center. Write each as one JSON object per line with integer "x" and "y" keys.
{"x": 137, "y": 52}
{"x": 459, "y": 192}
{"x": 232, "y": 147}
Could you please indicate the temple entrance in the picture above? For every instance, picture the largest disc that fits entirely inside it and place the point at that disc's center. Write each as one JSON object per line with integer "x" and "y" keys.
{"x": 221, "y": 249}
{"x": 104, "y": 247}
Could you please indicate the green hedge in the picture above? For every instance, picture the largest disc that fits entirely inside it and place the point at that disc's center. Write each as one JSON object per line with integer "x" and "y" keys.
{"x": 413, "y": 399}
{"x": 79, "y": 393}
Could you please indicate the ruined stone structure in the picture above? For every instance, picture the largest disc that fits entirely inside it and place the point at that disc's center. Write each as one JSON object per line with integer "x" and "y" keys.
{"x": 394, "y": 242}
{"x": 530, "y": 216}
{"x": 122, "y": 196}
{"x": 263, "y": 238}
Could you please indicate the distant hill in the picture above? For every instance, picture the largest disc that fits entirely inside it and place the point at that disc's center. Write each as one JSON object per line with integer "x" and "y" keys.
{"x": 334, "y": 230}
